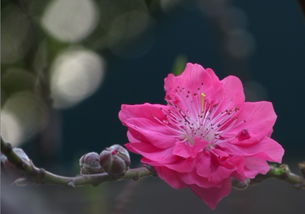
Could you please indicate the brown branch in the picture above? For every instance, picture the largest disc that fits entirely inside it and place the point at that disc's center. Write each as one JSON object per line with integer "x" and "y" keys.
{"x": 42, "y": 176}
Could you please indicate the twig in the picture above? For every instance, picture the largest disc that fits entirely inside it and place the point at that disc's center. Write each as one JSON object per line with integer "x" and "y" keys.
{"x": 42, "y": 176}
{"x": 282, "y": 172}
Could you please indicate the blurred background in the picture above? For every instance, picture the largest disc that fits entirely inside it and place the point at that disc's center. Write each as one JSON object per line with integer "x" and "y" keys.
{"x": 68, "y": 65}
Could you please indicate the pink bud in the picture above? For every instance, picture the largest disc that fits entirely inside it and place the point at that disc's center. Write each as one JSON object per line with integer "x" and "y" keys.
{"x": 115, "y": 160}
{"x": 90, "y": 163}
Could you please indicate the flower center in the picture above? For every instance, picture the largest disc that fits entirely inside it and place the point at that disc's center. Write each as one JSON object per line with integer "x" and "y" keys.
{"x": 194, "y": 116}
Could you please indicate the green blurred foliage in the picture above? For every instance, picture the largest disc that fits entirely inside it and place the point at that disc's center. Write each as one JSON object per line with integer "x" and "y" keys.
{"x": 179, "y": 64}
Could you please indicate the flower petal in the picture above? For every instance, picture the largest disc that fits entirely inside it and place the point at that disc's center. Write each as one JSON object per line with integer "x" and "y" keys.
{"x": 212, "y": 196}
{"x": 267, "y": 149}
{"x": 152, "y": 153}
{"x": 144, "y": 124}
{"x": 193, "y": 77}
{"x": 182, "y": 165}
{"x": 255, "y": 166}
{"x": 259, "y": 118}
{"x": 186, "y": 89}
{"x": 179, "y": 165}
{"x": 210, "y": 167}
{"x": 193, "y": 178}
{"x": 273, "y": 151}
{"x": 187, "y": 150}
{"x": 146, "y": 110}
{"x": 170, "y": 177}
{"x": 145, "y": 130}
{"x": 233, "y": 92}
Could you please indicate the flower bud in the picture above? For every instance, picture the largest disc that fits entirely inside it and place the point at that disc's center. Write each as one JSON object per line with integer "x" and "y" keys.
{"x": 115, "y": 160}
{"x": 90, "y": 163}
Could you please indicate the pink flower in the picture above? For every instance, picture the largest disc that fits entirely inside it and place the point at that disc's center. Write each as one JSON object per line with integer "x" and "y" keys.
{"x": 205, "y": 135}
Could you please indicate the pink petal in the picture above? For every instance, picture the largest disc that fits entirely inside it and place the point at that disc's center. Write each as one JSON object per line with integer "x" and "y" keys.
{"x": 132, "y": 138}
{"x": 193, "y": 77}
{"x": 212, "y": 196}
{"x": 144, "y": 124}
{"x": 259, "y": 119}
{"x": 182, "y": 165}
{"x": 204, "y": 165}
{"x": 267, "y": 149}
{"x": 146, "y": 110}
{"x": 182, "y": 149}
{"x": 179, "y": 165}
{"x": 187, "y": 150}
{"x": 209, "y": 167}
{"x": 152, "y": 153}
{"x": 187, "y": 88}
{"x": 273, "y": 151}
{"x": 254, "y": 166}
{"x": 158, "y": 135}
{"x": 233, "y": 92}
{"x": 193, "y": 178}
{"x": 170, "y": 177}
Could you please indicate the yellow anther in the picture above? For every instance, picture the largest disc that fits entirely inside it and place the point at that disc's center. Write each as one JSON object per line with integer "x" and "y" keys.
{"x": 202, "y": 101}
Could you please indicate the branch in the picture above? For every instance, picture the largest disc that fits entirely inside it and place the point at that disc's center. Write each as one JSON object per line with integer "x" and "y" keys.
{"x": 42, "y": 176}
{"x": 283, "y": 172}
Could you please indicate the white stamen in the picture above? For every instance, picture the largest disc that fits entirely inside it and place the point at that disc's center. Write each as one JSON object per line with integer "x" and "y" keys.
{"x": 194, "y": 117}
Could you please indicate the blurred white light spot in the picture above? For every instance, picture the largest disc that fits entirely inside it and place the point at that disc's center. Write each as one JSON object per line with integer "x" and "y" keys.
{"x": 76, "y": 74}
{"x": 70, "y": 20}
{"x": 22, "y": 116}
{"x": 11, "y": 130}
